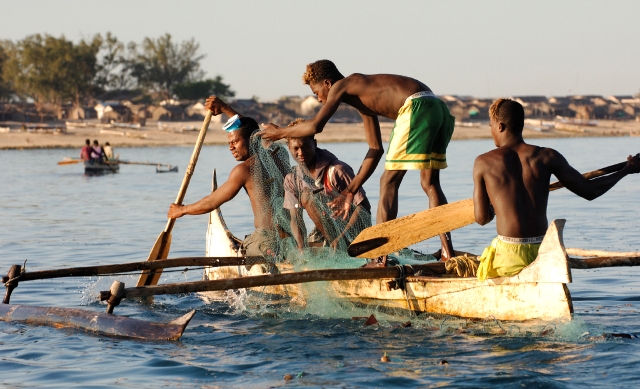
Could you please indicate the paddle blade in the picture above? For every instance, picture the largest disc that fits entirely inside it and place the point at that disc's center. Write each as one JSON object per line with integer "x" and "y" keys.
{"x": 159, "y": 251}
{"x": 365, "y": 246}
{"x": 394, "y": 235}
{"x": 69, "y": 162}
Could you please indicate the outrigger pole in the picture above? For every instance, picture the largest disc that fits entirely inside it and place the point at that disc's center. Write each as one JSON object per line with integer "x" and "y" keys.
{"x": 18, "y": 273}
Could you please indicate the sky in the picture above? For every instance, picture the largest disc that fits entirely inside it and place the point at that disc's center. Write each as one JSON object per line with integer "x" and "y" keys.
{"x": 478, "y": 48}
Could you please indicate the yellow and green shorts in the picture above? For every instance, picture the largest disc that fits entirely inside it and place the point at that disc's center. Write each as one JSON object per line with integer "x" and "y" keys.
{"x": 420, "y": 135}
{"x": 507, "y": 256}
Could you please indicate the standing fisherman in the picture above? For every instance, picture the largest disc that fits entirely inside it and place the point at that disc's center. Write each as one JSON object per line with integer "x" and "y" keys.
{"x": 419, "y": 139}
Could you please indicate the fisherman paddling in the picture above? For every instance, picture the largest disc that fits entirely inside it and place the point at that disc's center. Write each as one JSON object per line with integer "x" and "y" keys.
{"x": 419, "y": 140}
{"x": 512, "y": 184}
{"x": 263, "y": 241}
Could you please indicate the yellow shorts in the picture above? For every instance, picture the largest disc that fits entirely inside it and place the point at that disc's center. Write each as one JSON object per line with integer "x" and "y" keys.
{"x": 420, "y": 135}
{"x": 507, "y": 256}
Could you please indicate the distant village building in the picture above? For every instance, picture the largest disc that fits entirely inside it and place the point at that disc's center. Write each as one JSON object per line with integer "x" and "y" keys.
{"x": 535, "y": 106}
{"x": 81, "y": 113}
{"x": 310, "y": 106}
{"x": 116, "y": 112}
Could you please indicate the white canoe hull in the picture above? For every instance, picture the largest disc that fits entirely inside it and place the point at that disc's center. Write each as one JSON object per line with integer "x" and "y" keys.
{"x": 539, "y": 291}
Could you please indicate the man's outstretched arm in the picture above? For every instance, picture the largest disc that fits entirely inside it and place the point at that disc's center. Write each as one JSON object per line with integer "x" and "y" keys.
{"x": 310, "y": 127}
{"x": 224, "y": 193}
{"x": 590, "y": 189}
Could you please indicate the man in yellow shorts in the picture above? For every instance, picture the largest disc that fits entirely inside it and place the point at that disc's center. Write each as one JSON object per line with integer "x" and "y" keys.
{"x": 511, "y": 183}
{"x": 423, "y": 129}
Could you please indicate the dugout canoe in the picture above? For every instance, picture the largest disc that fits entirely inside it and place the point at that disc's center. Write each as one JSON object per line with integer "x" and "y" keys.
{"x": 96, "y": 168}
{"x": 95, "y": 322}
{"x": 539, "y": 291}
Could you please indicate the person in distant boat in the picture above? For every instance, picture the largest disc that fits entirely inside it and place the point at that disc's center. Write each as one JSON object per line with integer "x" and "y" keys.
{"x": 85, "y": 153}
{"x": 97, "y": 153}
{"x": 108, "y": 151}
{"x": 263, "y": 241}
{"x": 318, "y": 178}
{"x": 419, "y": 140}
{"x": 511, "y": 183}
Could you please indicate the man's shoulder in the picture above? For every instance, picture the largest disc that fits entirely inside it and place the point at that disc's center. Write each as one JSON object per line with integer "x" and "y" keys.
{"x": 242, "y": 169}
{"x": 489, "y": 156}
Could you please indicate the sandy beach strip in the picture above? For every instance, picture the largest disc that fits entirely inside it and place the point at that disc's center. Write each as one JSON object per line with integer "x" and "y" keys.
{"x": 186, "y": 133}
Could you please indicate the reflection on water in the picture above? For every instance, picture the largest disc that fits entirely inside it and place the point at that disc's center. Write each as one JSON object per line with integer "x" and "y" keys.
{"x": 54, "y": 216}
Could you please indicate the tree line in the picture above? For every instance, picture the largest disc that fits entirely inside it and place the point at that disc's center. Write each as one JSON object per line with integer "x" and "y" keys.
{"x": 57, "y": 71}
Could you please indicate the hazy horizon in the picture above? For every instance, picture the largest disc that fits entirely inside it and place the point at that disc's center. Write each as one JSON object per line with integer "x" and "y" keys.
{"x": 483, "y": 49}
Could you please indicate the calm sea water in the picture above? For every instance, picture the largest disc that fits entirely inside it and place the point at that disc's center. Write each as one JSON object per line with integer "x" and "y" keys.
{"x": 56, "y": 217}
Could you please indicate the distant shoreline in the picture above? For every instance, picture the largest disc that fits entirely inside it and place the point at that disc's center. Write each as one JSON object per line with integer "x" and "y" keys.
{"x": 151, "y": 136}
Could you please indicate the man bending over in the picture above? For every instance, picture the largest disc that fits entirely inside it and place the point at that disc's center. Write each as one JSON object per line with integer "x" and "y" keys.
{"x": 512, "y": 184}
{"x": 419, "y": 139}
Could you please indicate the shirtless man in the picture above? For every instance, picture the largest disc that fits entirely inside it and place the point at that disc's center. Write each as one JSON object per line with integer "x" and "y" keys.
{"x": 318, "y": 178}
{"x": 263, "y": 241}
{"x": 512, "y": 183}
{"x": 419, "y": 140}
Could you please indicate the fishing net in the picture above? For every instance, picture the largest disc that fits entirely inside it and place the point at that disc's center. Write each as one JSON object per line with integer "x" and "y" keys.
{"x": 326, "y": 239}
{"x": 270, "y": 167}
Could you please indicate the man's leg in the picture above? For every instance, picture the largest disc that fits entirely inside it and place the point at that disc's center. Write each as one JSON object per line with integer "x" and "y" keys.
{"x": 388, "y": 204}
{"x": 430, "y": 181}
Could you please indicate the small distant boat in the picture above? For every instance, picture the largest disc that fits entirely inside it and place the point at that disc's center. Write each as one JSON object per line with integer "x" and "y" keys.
{"x": 93, "y": 167}
{"x": 170, "y": 169}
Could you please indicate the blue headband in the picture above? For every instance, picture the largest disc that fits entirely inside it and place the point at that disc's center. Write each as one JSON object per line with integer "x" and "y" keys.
{"x": 232, "y": 124}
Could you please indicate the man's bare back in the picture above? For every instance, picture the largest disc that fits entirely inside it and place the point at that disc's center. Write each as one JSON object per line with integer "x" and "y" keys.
{"x": 377, "y": 94}
{"x": 512, "y": 181}
{"x": 516, "y": 179}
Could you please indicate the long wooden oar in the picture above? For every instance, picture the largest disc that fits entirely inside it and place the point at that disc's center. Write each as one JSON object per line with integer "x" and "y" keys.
{"x": 70, "y": 161}
{"x": 161, "y": 248}
{"x": 393, "y": 235}
{"x": 73, "y": 161}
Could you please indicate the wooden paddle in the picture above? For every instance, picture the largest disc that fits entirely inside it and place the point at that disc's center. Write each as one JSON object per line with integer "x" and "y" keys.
{"x": 70, "y": 161}
{"x": 396, "y": 234}
{"x": 160, "y": 249}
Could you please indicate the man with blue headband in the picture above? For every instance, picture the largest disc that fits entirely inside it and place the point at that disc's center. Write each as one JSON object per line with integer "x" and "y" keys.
{"x": 263, "y": 241}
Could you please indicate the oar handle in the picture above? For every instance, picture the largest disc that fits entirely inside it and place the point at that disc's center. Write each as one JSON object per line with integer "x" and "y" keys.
{"x": 593, "y": 174}
{"x": 192, "y": 166}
